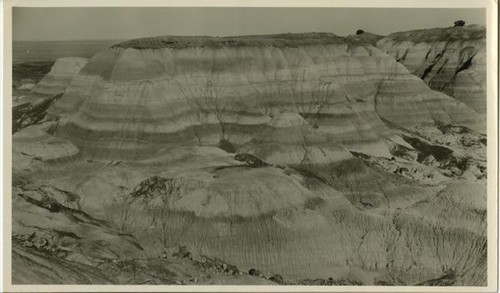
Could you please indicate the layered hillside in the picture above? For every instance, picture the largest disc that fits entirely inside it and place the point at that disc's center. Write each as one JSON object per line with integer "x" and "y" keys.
{"x": 59, "y": 77}
{"x": 56, "y": 242}
{"x": 289, "y": 140}
{"x": 34, "y": 146}
{"x": 133, "y": 99}
{"x": 26, "y": 75}
{"x": 298, "y": 158}
{"x": 31, "y": 107}
{"x": 350, "y": 220}
{"x": 450, "y": 60}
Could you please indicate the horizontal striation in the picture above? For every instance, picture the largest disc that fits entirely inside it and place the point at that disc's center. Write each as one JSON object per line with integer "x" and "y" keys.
{"x": 59, "y": 77}
{"x": 34, "y": 150}
{"x": 290, "y": 139}
{"x": 38, "y": 144}
{"x": 265, "y": 218}
{"x": 147, "y": 95}
{"x": 449, "y": 60}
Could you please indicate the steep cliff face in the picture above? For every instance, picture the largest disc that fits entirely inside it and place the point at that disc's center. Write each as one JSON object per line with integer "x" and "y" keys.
{"x": 450, "y": 60}
{"x": 139, "y": 96}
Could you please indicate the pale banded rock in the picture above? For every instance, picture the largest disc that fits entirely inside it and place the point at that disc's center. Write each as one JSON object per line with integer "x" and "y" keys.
{"x": 138, "y": 96}
{"x": 31, "y": 108}
{"x": 450, "y": 60}
{"x": 59, "y": 77}
{"x": 290, "y": 140}
{"x": 33, "y": 148}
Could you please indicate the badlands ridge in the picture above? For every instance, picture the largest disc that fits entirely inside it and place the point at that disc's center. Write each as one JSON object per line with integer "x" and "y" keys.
{"x": 298, "y": 158}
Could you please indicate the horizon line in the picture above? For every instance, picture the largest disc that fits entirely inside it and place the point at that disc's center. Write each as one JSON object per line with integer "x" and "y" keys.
{"x": 223, "y": 36}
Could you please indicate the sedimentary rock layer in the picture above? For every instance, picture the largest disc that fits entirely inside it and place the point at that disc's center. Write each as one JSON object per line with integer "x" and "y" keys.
{"x": 292, "y": 202}
{"x": 59, "y": 77}
{"x": 143, "y": 95}
{"x": 450, "y": 60}
{"x": 31, "y": 108}
{"x": 290, "y": 140}
{"x": 33, "y": 148}
{"x": 344, "y": 220}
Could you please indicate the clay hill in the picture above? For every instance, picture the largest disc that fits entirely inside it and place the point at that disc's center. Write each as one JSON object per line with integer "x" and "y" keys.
{"x": 283, "y": 159}
{"x": 450, "y": 60}
{"x": 32, "y": 101}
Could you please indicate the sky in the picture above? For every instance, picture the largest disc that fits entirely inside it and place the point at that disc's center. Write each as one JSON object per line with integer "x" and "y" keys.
{"x": 93, "y": 23}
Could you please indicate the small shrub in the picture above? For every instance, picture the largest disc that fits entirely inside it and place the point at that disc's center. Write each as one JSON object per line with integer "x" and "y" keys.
{"x": 359, "y": 32}
{"x": 459, "y": 23}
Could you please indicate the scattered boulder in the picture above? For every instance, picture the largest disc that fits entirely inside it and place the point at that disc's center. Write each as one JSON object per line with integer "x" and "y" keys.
{"x": 251, "y": 160}
{"x": 330, "y": 282}
{"x": 448, "y": 279}
{"x": 430, "y": 160}
{"x": 314, "y": 282}
{"x": 254, "y": 272}
{"x": 277, "y": 279}
{"x": 182, "y": 252}
{"x": 32, "y": 112}
{"x": 156, "y": 186}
